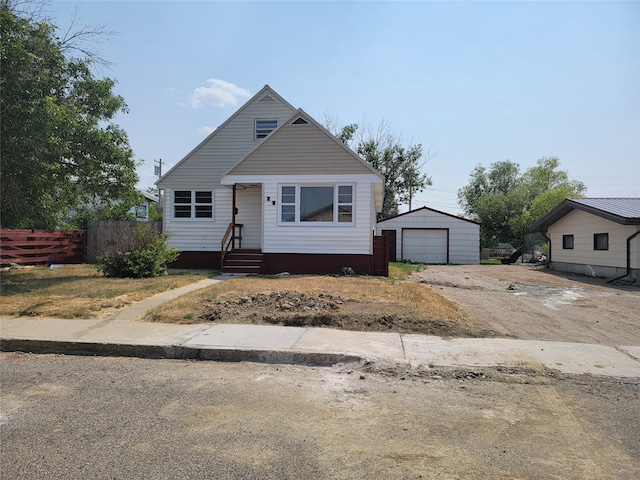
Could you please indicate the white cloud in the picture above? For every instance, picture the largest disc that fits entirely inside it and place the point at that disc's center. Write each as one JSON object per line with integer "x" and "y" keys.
{"x": 218, "y": 94}
{"x": 206, "y": 130}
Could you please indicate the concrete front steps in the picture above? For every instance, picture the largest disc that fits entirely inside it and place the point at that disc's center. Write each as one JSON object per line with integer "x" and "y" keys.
{"x": 243, "y": 261}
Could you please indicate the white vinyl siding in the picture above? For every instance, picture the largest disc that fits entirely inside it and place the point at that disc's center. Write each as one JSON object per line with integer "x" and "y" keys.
{"x": 305, "y": 155}
{"x": 583, "y": 226}
{"x": 302, "y": 149}
{"x": 330, "y": 239}
{"x": 203, "y": 168}
{"x": 199, "y": 234}
{"x": 207, "y": 163}
{"x": 464, "y": 236}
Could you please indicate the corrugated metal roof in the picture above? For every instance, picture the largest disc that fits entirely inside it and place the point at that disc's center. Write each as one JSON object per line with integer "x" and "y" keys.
{"x": 625, "y": 211}
{"x": 621, "y": 207}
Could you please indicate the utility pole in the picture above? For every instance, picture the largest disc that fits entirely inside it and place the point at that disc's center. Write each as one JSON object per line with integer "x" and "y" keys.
{"x": 157, "y": 170}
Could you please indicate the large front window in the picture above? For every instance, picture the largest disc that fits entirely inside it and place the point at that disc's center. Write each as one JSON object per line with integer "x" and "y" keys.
{"x": 311, "y": 204}
{"x": 193, "y": 204}
{"x": 316, "y": 204}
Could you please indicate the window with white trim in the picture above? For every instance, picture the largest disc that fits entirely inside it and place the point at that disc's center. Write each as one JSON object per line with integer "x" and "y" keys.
{"x": 141, "y": 211}
{"x": 263, "y": 127}
{"x": 288, "y": 204}
{"x": 197, "y": 204}
{"x": 316, "y": 204}
{"x": 345, "y": 203}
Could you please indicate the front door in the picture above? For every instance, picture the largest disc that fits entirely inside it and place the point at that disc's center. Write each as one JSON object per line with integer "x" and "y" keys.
{"x": 249, "y": 215}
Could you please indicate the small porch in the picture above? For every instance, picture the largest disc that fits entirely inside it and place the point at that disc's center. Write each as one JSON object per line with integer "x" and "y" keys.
{"x": 254, "y": 241}
{"x": 240, "y": 248}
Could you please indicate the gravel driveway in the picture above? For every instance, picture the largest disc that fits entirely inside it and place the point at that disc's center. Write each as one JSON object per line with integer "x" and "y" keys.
{"x": 533, "y": 302}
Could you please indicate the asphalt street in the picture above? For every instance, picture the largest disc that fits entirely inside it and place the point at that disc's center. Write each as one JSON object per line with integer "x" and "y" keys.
{"x": 69, "y": 417}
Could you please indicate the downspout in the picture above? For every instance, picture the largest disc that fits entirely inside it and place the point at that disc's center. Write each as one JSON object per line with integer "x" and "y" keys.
{"x": 631, "y": 237}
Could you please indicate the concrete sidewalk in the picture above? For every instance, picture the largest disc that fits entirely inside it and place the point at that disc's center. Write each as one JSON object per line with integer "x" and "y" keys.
{"x": 121, "y": 335}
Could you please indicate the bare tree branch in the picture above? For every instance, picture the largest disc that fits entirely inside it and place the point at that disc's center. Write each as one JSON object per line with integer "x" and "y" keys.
{"x": 81, "y": 40}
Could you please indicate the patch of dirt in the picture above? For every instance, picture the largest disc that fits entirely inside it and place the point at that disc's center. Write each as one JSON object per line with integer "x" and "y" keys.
{"x": 292, "y": 308}
{"x": 405, "y": 371}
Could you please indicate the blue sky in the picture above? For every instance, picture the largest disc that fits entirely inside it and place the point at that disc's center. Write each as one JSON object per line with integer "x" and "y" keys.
{"x": 473, "y": 82}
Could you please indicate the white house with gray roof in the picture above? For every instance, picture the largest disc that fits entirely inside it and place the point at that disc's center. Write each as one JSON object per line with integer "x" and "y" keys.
{"x": 594, "y": 236}
{"x": 271, "y": 190}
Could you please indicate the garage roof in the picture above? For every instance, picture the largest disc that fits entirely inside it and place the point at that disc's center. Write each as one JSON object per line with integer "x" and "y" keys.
{"x": 625, "y": 211}
{"x": 431, "y": 210}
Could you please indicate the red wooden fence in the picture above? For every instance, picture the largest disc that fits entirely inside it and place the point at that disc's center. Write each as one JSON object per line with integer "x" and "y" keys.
{"x": 40, "y": 247}
{"x": 380, "y": 259}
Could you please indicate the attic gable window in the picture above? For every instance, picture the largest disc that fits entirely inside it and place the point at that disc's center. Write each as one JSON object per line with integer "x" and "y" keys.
{"x": 263, "y": 127}
{"x": 299, "y": 121}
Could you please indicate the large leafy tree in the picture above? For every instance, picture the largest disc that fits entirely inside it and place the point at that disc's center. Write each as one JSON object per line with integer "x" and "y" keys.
{"x": 507, "y": 203}
{"x": 60, "y": 149}
{"x": 401, "y": 166}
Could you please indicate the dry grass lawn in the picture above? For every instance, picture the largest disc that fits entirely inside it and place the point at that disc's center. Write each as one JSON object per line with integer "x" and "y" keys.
{"x": 79, "y": 291}
{"x": 349, "y": 302}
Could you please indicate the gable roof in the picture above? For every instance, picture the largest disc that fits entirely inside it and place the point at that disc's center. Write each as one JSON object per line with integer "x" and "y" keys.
{"x": 266, "y": 92}
{"x": 625, "y": 211}
{"x": 298, "y": 119}
{"x": 430, "y": 210}
{"x": 148, "y": 196}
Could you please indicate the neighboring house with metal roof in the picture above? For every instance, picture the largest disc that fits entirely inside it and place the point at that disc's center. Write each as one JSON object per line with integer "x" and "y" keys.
{"x": 594, "y": 236}
{"x": 271, "y": 190}
{"x": 425, "y": 235}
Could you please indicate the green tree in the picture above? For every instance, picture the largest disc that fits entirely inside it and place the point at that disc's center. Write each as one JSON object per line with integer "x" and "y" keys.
{"x": 401, "y": 166}
{"x": 155, "y": 211}
{"x": 59, "y": 147}
{"x": 507, "y": 203}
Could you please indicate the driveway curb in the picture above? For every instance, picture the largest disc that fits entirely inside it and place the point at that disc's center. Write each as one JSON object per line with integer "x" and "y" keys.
{"x": 175, "y": 352}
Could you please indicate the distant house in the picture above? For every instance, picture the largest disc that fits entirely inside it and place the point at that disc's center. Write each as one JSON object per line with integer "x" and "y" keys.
{"x": 426, "y": 235}
{"x": 271, "y": 190}
{"x": 141, "y": 211}
{"x": 594, "y": 236}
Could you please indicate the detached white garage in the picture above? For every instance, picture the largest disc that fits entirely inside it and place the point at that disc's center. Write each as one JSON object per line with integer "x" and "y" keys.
{"x": 430, "y": 236}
